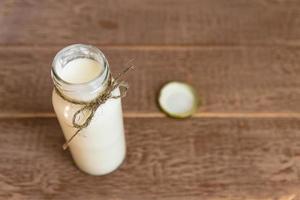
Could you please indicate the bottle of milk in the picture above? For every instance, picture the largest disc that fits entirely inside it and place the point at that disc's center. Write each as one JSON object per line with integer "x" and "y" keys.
{"x": 81, "y": 72}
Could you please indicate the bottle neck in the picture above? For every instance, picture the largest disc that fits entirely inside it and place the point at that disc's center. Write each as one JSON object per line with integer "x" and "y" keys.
{"x": 80, "y": 91}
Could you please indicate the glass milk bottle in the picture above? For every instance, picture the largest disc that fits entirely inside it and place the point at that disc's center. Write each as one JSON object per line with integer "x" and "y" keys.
{"x": 81, "y": 73}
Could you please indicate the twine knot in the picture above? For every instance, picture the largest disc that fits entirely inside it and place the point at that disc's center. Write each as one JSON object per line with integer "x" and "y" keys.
{"x": 91, "y": 107}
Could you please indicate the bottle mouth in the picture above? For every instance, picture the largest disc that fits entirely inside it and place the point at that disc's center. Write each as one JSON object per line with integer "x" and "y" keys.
{"x": 72, "y": 52}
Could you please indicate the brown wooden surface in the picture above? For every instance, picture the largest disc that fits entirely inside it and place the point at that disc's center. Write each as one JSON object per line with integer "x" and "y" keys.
{"x": 191, "y": 159}
{"x": 254, "y": 79}
{"x": 209, "y": 22}
{"x": 241, "y": 56}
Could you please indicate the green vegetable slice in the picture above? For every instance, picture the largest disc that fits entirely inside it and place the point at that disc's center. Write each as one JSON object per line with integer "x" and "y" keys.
{"x": 178, "y": 100}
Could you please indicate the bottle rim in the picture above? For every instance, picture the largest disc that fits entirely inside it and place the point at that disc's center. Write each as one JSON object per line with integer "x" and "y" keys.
{"x": 73, "y": 52}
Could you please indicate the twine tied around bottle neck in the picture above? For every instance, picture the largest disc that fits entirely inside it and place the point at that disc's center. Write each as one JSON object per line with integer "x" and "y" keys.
{"x": 91, "y": 106}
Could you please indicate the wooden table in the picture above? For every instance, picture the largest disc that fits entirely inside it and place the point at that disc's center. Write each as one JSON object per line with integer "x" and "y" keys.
{"x": 242, "y": 57}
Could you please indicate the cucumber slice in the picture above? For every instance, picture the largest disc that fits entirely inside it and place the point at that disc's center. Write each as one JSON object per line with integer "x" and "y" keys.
{"x": 178, "y": 99}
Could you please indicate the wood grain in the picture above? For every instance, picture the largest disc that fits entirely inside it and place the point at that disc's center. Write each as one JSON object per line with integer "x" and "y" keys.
{"x": 237, "y": 80}
{"x": 166, "y": 159}
{"x": 150, "y": 22}
{"x": 241, "y": 56}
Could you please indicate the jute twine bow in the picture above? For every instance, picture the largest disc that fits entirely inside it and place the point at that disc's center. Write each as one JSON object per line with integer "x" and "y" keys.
{"x": 91, "y": 106}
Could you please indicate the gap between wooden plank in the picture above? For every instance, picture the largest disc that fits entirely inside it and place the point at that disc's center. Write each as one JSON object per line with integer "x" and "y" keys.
{"x": 152, "y": 46}
{"x": 161, "y": 115}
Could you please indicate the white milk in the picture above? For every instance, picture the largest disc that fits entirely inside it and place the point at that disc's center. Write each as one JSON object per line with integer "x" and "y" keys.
{"x": 81, "y": 70}
{"x": 100, "y": 148}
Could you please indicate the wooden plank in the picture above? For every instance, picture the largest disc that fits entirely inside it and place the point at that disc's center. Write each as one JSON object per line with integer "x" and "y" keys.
{"x": 166, "y": 159}
{"x": 192, "y": 22}
{"x": 239, "y": 80}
